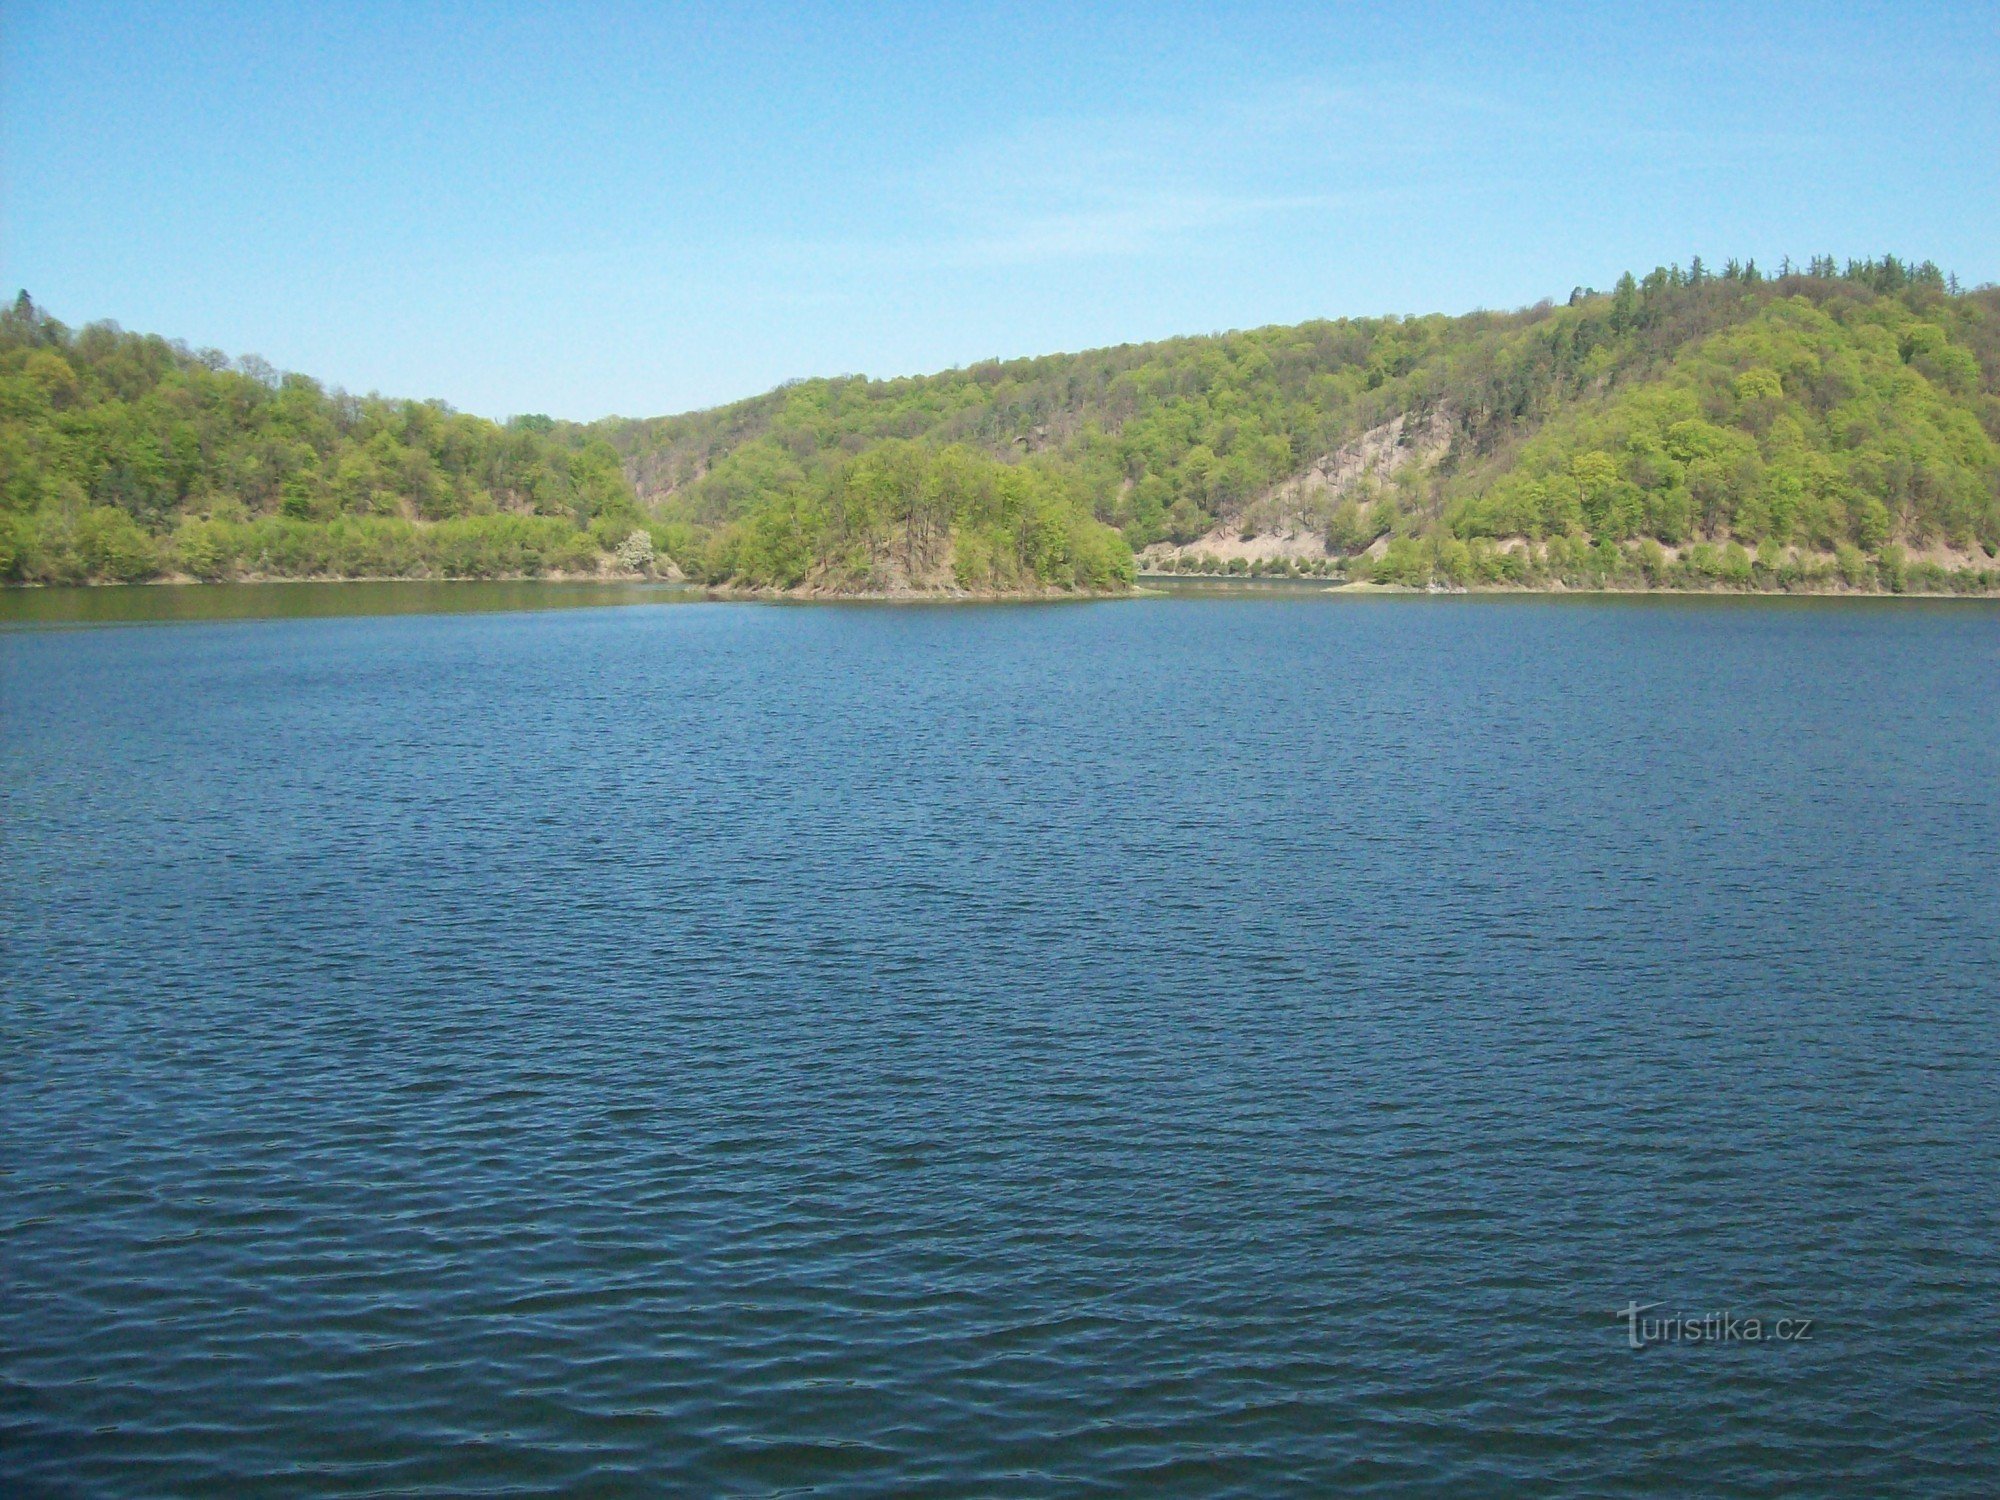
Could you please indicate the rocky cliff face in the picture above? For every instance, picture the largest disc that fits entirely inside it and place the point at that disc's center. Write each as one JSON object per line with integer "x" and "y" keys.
{"x": 1292, "y": 519}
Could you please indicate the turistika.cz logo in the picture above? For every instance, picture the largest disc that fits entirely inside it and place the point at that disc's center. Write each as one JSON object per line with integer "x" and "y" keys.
{"x": 1642, "y": 1332}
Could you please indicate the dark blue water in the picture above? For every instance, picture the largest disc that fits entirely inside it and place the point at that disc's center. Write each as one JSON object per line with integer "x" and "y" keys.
{"x": 1189, "y": 1047}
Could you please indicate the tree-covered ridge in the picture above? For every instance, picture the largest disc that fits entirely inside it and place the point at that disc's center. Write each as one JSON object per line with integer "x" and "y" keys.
{"x": 1161, "y": 438}
{"x": 1842, "y": 420}
{"x": 1645, "y": 413}
{"x": 1829, "y": 426}
{"x": 123, "y": 456}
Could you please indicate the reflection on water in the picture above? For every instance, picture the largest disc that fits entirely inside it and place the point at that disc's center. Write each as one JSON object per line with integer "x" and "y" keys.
{"x": 157, "y": 603}
{"x": 1205, "y": 585}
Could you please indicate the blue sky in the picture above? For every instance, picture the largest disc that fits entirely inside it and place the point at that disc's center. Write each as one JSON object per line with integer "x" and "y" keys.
{"x": 641, "y": 209}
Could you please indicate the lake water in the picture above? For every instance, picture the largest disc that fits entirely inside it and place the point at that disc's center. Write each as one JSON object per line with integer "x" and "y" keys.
{"x": 1249, "y": 1045}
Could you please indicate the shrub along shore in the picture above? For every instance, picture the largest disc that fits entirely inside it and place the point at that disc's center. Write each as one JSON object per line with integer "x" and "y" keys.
{"x": 1573, "y": 565}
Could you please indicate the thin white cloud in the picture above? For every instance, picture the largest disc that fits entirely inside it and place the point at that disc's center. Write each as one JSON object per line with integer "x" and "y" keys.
{"x": 1125, "y": 223}
{"x": 1055, "y": 192}
{"x": 1089, "y": 187}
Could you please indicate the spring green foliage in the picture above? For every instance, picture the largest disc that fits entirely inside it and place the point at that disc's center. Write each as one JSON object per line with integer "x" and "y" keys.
{"x": 1828, "y": 427}
{"x": 124, "y": 456}
{"x": 905, "y": 515}
{"x": 1158, "y": 440}
{"x": 1830, "y": 410}
{"x": 1842, "y": 420}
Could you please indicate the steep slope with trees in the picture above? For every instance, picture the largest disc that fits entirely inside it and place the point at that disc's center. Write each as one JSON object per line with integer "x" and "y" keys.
{"x": 123, "y": 457}
{"x": 1830, "y": 427}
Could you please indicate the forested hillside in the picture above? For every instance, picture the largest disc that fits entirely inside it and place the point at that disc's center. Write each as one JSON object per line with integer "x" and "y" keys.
{"x": 1831, "y": 427}
{"x": 123, "y": 456}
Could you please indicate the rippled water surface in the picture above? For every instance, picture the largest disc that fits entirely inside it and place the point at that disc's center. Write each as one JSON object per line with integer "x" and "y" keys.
{"x": 1187, "y": 1046}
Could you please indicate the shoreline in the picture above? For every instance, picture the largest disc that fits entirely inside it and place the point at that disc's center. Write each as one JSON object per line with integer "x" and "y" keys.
{"x": 723, "y": 592}
{"x": 720, "y": 592}
{"x": 1364, "y": 587}
{"x": 187, "y": 581}
{"x": 1145, "y": 585}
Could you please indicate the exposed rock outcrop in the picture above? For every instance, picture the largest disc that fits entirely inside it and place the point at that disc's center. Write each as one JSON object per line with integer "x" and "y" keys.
{"x": 1290, "y": 519}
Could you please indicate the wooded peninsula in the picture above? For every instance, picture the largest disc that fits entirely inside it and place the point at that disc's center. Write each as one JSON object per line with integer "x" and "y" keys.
{"x": 1825, "y": 428}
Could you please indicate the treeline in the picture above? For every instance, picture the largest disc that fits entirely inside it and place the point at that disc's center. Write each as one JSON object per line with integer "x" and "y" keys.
{"x": 123, "y": 456}
{"x": 1574, "y": 561}
{"x": 1578, "y": 563}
